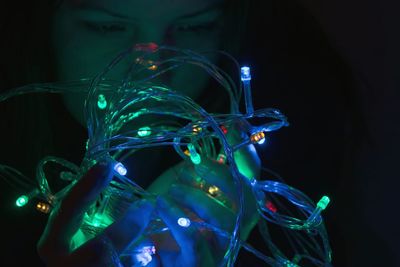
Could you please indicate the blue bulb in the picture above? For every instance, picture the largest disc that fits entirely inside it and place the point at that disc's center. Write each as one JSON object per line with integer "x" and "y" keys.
{"x": 120, "y": 168}
{"x": 245, "y": 74}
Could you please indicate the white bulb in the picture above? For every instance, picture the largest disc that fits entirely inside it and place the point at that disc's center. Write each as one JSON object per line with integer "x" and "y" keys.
{"x": 184, "y": 222}
{"x": 120, "y": 168}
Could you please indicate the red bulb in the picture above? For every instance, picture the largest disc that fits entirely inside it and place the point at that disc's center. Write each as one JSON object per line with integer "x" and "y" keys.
{"x": 271, "y": 206}
{"x": 146, "y": 47}
{"x": 223, "y": 128}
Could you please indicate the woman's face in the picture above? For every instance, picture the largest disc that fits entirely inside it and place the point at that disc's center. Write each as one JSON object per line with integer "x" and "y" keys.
{"x": 87, "y": 35}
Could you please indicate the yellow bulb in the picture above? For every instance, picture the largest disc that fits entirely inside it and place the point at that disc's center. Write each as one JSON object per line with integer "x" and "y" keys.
{"x": 213, "y": 190}
{"x": 153, "y": 67}
{"x": 196, "y": 129}
{"x": 43, "y": 207}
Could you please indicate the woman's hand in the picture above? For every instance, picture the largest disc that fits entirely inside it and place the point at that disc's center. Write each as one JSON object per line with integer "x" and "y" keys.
{"x": 54, "y": 246}
{"x": 203, "y": 193}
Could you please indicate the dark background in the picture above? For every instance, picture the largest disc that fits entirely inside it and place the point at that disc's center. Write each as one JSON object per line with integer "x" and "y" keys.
{"x": 332, "y": 69}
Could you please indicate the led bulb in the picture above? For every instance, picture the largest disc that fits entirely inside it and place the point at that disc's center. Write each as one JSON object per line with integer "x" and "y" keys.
{"x": 323, "y": 203}
{"x": 120, "y": 168}
{"x": 101, "y": 101}
{"x": 43, "y": 207}
{"x": 22, "y": 201}
{"x": 196, "y": 129}
{"x": 184, "y": 222}
{"x": 194, "y": 156}
{"x": 144, "y": 131}
{"x": 258, "y": 138}
{"x": 245, "y": 74}
{"x": 221, "y": 158}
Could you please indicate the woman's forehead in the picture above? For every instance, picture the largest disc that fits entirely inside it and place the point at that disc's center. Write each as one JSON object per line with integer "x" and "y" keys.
{"x": 143, "y": 9}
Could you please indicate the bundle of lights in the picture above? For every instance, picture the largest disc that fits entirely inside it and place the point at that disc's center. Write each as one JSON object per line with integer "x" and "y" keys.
{"x": 115, "y": 109}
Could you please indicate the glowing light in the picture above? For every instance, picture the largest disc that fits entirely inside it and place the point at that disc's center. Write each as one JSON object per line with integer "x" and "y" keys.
{"x": 144, "y": 131}
{"x": 271, "y": 206}
{"x": 184, "y": 222}
{"x": 22, "y": 201}
{"x": 221, "y": 158}
{"x": 144, "y": 255}
{"x": 223, "y": 128}
{"x": 120, "y": 168}
{"x": 101, "y": 101}
{"x": 323, "y": 203}
{"x": 196, "y": 129}
{"x": 213, "y": 190}
{"x": 258, "y": 138}
{"x": 245, "y": 74}
{"x": 43, "y": 207}
{"x": 152, "y": 67}
{"x": 146, "y": 47}
{"x": 194, "y": 156}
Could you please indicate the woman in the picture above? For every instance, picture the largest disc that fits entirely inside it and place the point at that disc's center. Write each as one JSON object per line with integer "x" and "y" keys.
{"x": 85, "y": 36}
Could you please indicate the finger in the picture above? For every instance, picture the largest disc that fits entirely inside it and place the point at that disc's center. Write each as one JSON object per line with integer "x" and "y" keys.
{"x": 205, "y": 207}
{"x": 216, "y": 174}
{"x": 225, "y": 190}
{"x": 246, "y": 158}
{"x": 184, "y": 236}
{"x": 104, "y": 249}
{"x": 66, "y": 219}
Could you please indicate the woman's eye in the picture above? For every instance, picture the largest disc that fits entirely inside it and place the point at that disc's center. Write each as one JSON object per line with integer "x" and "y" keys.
{"x": 196, "y": 28}
{"x": 105, "y": 27}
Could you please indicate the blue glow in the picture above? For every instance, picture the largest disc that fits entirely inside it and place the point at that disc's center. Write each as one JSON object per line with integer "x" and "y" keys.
{"x": 120, "y": 168}
{"x": 245, "y": 74}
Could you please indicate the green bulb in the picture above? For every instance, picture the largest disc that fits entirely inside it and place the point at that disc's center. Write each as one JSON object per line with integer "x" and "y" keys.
{"x": 22, "y": 201}
{"x": 194, "y": 156}
{"x": 196, "y": 159}
{"x": 101, "y": 102}
{"x": 144, "y": 131}
{"x": 323, "y": 203}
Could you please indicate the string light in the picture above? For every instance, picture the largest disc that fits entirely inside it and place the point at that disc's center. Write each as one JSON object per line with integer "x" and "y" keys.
{"x": 184, "y": 222}
{"x": 43, "y": 207}
{"x": 101, "y": 102}
{"x": 144, "y": 131}
{"x": 198, "y": 138}
{"x": 221, "y": 158}
{"x": 258, "y": 138}
{"x": 194, "y": 156}
{"x": 22, "y": 201}
{"x": 120, "y": 169}
{"x": 323, "y": 203}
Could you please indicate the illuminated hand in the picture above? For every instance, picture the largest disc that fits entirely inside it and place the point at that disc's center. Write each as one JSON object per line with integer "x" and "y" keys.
{"x": 203, "y": 193}
{"x": 54, "y": 246}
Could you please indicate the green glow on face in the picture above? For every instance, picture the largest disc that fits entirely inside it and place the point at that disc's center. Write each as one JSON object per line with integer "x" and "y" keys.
{"x": 323, "y": 202}
{"x": 100, "y": 220}
{"x": 102, "y": 102}
{"x": 144, "y": 131}
{"x": 22, "y": 201}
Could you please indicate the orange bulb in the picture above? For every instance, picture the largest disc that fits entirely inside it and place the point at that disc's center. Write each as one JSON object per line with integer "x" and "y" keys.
{"x": 196, "y": 129}
{"x": 153, "y": 67}
{"x": 257, "y": 137}
{"x": 43, "y": 207}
